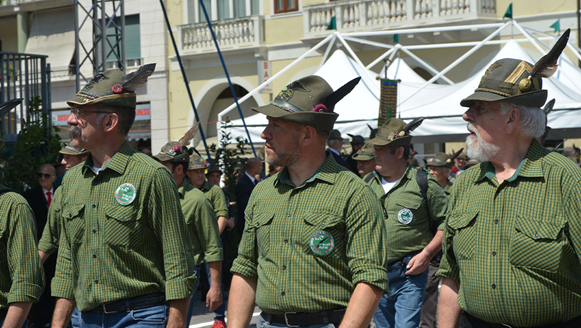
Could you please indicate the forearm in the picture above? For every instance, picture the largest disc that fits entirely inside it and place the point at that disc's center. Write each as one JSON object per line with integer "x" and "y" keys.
{"x": 62, "y": 312}
{"x": 222, "y": 220}
{"x": 178, "y": 311}
{"x": 448, "y": 309}
{"x": 43, "y": 256}
{"x": 17, "y": 313}
{"x": 241, "y": 301}
{"x": 362, "y": 306}
{"x": 215, "y": 274}
{"x": 435, "y": 245}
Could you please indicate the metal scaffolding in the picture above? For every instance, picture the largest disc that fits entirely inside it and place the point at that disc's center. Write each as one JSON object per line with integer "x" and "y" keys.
{"x": 107, "y": 44}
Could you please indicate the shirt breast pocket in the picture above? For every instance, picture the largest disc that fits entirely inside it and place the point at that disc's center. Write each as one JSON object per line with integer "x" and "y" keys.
{"x": 75, "y": 222}
{"x": 263, "y": 224}
{"x": 410, "y": 212}
{"x": 464, "y": 238}
{"x": 324, "y": 235}
{"x": 537, "y": 244}
{"x": 123, "y": 226}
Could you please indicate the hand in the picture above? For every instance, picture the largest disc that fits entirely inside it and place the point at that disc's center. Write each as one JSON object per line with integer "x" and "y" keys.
{"x": 418, "y": 264}
{"x": 213, "y": 298}
{"x": 230, "y": 224}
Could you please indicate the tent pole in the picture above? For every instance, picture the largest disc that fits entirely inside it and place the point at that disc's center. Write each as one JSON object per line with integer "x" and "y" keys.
{"x": 467, "y": 44}
{"x": 530, "y": 38}
{"x": 456, "y": 62}
{"x": 175, "y": 47}
{"x": 329, "y": 47}
{"x": 424, "y": 30}
{"x": 380, "y": 58}
{"x": 228, "y": 77}
{"x": 354, "y": 56}
{"x": 275, "y": 76}
{"x": 371, "y": 43}
{"x": 575, "y": 51}
{"x": 426, "y": 65}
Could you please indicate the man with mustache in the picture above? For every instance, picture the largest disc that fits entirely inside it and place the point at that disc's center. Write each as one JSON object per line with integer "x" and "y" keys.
{"x": 313, "y": 249}
{"x": 512, "y": 239}
{"x": 125, "y": 254}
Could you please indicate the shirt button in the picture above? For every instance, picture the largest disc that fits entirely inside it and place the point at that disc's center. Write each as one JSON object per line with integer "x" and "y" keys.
{"x": 284, "y": 267}
{"x": 289, "y": 215}
{"x": 495, "y": 221}
{"x": 493, "y": 253}
{"x": 94, "y": 231}
{"x": 282, "y": 294}
{"x": 286, "y": 240}
{"x": 94, "y": 205}
{"x": 94, "y": 256}
{"x": 536, "y": 235}
{"x": 96, "y": 281}
{"x": 493, "y": 286}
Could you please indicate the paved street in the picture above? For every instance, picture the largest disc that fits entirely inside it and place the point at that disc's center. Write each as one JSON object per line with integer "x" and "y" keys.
{"x": 203, "y": 318}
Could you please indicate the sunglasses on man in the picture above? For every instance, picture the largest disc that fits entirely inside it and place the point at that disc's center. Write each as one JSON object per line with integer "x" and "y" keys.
{"x": 45, "y": 175}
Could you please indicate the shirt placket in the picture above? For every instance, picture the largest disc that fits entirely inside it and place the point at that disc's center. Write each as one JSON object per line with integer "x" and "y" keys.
{"x": 94, "y": 236}
{"x": 288, "y": 238}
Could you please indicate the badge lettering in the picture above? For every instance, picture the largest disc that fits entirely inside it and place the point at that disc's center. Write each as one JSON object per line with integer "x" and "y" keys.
{"x": 322, "y": 243}
{"x": 405, "y": 216}
{"x": 126, "y": 194}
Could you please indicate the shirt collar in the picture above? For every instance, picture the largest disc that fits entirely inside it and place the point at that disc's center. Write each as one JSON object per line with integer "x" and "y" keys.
{"x": 184, "y": 187}
{"x": 326, "y": 172}
{"x": 530, "y": 167}
{"x": 206, "y": 186}
{"x": 51, "y": 190}
{"x": 333, "y": 150}
{"x": 118, "y": 163}
{"x": 249, "y": 176}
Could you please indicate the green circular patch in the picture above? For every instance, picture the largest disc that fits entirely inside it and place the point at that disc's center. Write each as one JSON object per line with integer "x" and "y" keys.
{"x": 322, "y": 243}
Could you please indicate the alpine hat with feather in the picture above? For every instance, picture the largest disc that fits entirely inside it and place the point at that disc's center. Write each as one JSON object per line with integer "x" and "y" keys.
{"x": 177, "y": 151}
{"x": 444, "y": 160}
{"x": 517, "y": 81}
{"x": 113, "y": 88}
{"x": 309, "y": 101}
{"x": 395, "y": 133}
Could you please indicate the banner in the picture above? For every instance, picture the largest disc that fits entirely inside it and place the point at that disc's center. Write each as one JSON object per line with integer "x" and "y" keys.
{"x": 388, "y": 101}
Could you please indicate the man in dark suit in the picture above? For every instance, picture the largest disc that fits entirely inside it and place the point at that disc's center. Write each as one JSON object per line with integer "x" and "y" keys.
{"x": 39, "y": 199}
{"x": 335, "y": 143}
{"x": 244, "y": 188}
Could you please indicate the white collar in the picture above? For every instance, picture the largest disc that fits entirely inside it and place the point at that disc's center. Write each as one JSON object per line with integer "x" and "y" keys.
{"x": 333, "y": 150}
{"x": 253, "y": 179}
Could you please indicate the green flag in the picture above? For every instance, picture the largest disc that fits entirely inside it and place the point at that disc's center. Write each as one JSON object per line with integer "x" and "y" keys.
{"x": 557, "y": 26}
{"x": 508, "y": 13}
{"x": 395, "y": 38}
{"x": 332, "y": 24}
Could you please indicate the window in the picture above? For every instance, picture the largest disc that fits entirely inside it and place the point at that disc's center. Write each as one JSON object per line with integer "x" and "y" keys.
{"x": 283, "y": 6}
{"x": 201, "y": 16}
{"x": 132, "y": 42}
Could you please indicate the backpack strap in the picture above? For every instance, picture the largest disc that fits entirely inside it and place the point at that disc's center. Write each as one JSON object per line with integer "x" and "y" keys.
{"x": 369, "y": 177}
{"x": 422, "y": 180}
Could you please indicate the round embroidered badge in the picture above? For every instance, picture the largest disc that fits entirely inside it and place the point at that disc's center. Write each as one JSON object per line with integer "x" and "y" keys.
{"x": 322, "y": 243}
{"x": 405, "y": 216}
{"x": 125, "y": 194}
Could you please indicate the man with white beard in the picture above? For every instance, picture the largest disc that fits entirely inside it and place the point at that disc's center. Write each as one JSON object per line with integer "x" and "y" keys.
{"x": 513, "y": 232}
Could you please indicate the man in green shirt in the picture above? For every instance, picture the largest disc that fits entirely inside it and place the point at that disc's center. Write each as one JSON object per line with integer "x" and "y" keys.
{"x": 124, "y": 250}
{"x": 513, "y": 232}
{"x": 410, "y": 218}
{"x": 21, "y": 273}
{"x": 313, "y": 250}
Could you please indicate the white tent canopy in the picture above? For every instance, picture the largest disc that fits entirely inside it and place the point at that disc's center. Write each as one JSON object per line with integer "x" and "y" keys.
{"x": 438, "y": 103}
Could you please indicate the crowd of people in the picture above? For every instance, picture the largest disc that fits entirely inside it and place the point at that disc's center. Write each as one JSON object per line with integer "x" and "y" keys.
{"x": 489, "y": 238}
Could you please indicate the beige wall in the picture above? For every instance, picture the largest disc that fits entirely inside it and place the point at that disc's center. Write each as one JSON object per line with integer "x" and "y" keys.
{"x": 9, "y": 36}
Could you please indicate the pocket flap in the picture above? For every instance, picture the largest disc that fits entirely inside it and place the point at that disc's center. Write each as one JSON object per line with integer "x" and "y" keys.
{"x": 538, "y": 229}
{"x": 409, "y": 204}
{"x": 320, "y": 219}
{"x": 263, "y": 219}
{"x": 462, "y": 221}
{"x": 73, "y": 210}
{"x": 121, "y": 213}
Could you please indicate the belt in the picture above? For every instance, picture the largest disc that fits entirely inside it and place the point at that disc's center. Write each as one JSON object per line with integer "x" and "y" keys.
{"x": 132, "y": 303}
{"x": 477, "y": 323}
{"x": 293, "y": 319}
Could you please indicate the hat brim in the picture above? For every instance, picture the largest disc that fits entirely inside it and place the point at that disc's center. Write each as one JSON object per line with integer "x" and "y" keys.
{"x": 70, "y": 152}
{"x": 162, "y": 157}
{"x": 120, "y": 100}
{"x": 323, "y": 121}
{"x": 398, "y": 142}
{"x": 196, "y": 167}
{"x": 363, "y": 157}
{"x": 533, "y": 98}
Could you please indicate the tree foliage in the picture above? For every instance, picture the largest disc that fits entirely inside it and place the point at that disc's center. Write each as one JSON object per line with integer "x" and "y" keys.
{"x": 36, "y": 146}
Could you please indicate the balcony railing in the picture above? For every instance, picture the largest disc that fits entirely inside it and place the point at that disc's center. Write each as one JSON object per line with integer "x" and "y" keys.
{"x": 352, "y": 16}
{"x": 231, "y": 34}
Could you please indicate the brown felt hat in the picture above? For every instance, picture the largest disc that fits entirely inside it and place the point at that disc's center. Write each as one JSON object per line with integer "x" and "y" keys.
{"x": 173, "y": 152}
{"x": 507, "y": 80}
{"x": 196, "y": 162}
{"x": 356, "y": 139}
{"x": 70, "y": 150}
{"x": 441, "y": 160}
{"x": 394, "y": 133}
{"x": 113, "y": 88}
{"x": 366, "y": 153}
{"x": 309, "y": 101}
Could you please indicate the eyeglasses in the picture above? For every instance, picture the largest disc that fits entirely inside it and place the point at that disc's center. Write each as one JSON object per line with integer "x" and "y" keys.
{"x": 45, "y": 175}
{"x": 77, "y": 112}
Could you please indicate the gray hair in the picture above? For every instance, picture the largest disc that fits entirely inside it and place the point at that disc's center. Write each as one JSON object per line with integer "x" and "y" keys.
{"x": 532, "y": 119}
{"x": 332, "y": 142}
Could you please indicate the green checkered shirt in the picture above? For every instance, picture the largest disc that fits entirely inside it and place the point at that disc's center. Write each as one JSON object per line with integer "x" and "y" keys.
{"x": 407, "y": 217}
{"x": 123, "y": 233}
{"x": 515, "y": 247}
{"x": 52, "y": 230}
{"x": 202, "y": 223}
{"x": 216, "y": 197}
{"x": 21, "y": 273}
{"x": 308, "y": 246}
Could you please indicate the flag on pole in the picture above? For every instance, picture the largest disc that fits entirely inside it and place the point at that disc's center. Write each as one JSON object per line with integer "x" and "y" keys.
{"x": 332, "y": 24}
{"x": 557, "y": 26}
{"x": 508, "y": 13}
{"x": 395, "y": 38}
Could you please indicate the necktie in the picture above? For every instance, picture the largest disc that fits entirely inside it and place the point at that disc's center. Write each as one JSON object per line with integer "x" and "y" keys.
{"x": 49, "y": 198}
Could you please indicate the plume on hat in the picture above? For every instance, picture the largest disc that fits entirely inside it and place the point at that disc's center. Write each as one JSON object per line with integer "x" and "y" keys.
{"x": 187, "y": 138}
{"x": 408, "y": 128}
{"x": 336, "y": 96}
{"x": 549, "y": 107}
{"x": 9, "y": 105}
{"x": 456, "y": 154}
{"x": 137, "y": 79}
{"x": 547, "y": 65}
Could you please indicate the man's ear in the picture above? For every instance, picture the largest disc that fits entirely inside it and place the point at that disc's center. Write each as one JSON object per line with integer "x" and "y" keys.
{"x": 308, "y": 135}
{"x": 513, "y": 119}
{"x": 399, "y": 152}
{"x": 110, "y": 122}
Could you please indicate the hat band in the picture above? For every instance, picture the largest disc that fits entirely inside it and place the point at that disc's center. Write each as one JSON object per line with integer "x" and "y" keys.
{"x": 493, "y": 91}
{"x": 436, "y": 160}
{"x": 385, "y": 138}
{"x": 284, "y": 105}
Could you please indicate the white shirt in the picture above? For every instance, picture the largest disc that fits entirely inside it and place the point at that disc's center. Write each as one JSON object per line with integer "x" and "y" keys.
{"x": 387, "y": 185}
{"x": 333, "y": 150}
{"x": 253, "y": 179}
{"x": 44, "y": 191}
